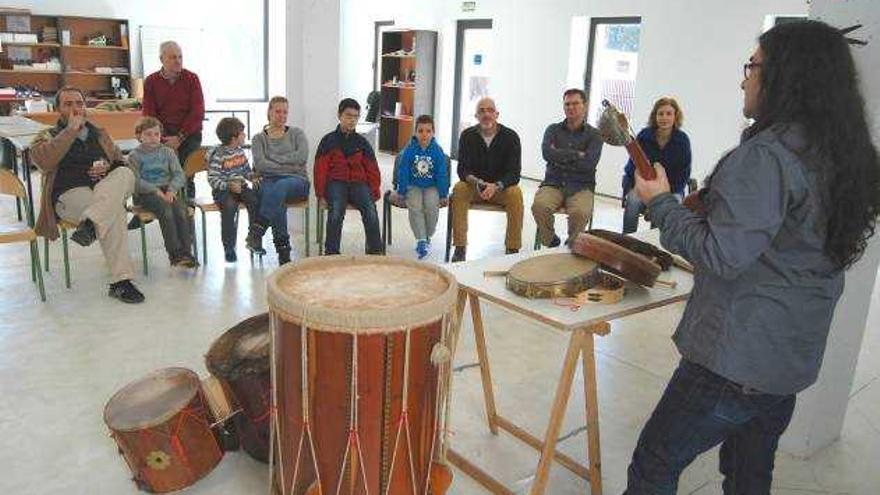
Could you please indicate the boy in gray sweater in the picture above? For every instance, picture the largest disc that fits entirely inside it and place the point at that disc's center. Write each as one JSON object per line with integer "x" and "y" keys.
{"x": 280, "y": 156}
{"x": 159, "y": 180}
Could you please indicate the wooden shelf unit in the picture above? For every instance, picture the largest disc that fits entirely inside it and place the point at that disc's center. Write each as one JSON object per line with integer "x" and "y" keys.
{"x": 78, "y": 59}
{"x": 396, "y": 128}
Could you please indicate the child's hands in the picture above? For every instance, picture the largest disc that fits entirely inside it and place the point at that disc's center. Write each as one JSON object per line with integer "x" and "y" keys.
{"x": 235, "y": 186}
{"x": 444, "y": 202}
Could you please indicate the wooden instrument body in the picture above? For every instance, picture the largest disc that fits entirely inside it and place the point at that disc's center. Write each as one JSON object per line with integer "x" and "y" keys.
{"x": 166, "y": 448}
{"x": 240, "y": 360}
{"x": 380, "y": 376}
{"x": 617, "y": 259}
{"x": 361, "y": 360}
{"x": 552, "y": 275}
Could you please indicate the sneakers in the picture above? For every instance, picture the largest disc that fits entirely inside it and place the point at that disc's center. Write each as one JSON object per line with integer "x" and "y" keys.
{"x": 422, "y": 249}
{"x": 229, "y": 254}
{"x": 555, "y": 242}
{"x": 126, "y": 292}
{"x": 459, "y": 254}
{"x": 84, "y": 235}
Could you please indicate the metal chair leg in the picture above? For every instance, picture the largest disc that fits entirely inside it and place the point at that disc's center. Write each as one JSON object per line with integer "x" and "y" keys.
{"x": 35, "y": 268}
{"x": 319, "y": 218}
{"x": 66, "y": 258}
{"x": 204, "y": 240}
{"x": 46, "y": 252}
{"x": 308, "y": 240}
{"x": 144, "y": 249}
{"x": 448, "y": 229}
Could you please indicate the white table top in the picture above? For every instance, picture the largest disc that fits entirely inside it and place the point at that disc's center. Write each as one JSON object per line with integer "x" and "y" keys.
{"x": 18, "y": 126}
{"x": 637, "y": 299}
{"x": 127, "y": 145}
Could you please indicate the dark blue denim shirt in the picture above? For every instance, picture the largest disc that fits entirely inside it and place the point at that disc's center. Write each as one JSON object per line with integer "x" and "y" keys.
{"x": 764, "y": 288}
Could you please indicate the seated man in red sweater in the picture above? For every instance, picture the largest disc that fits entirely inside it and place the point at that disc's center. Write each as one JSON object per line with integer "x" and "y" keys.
{"x": 346, "y": 172}
{"x": 174, "y": 96}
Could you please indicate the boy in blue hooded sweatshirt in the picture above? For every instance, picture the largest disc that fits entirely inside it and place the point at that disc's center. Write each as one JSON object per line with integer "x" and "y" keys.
{"x": 423, "y": 179}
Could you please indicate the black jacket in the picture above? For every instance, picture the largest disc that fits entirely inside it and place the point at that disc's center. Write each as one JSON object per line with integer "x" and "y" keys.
{"x": 500, "y": 162}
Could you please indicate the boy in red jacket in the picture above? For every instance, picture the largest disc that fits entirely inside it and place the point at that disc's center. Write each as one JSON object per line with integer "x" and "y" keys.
{"x": 346, "y": 173}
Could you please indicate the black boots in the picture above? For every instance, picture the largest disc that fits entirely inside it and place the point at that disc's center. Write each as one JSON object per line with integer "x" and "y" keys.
{"x": 254, "y": 241}
{"x": 282, "y": 247}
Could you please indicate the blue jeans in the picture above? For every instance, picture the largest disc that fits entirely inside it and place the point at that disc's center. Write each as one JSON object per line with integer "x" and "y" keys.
{"x": 634, "y": 208}
{"x": 698, "y": 411}
{"x": 339, "y": 195}
{"x": 275, "y": 192}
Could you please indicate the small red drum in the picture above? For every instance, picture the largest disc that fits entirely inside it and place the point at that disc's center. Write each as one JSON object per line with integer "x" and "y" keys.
{"x": 160, "y": 424}
{"x": 240, "y": 361}
{"x": 361, "y": 360}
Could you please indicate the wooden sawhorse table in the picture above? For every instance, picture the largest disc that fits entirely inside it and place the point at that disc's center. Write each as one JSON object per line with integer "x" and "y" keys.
{"x": 582, "y": 325}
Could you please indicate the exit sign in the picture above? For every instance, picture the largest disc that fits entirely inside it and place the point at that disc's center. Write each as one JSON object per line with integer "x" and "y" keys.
{"x": 468, "y": 6}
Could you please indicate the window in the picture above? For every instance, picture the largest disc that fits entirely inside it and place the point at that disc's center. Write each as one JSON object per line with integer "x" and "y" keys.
{"x": 239, "y": 31}
{"x": 228, "y": 53}
{"x": 612, "y": 64}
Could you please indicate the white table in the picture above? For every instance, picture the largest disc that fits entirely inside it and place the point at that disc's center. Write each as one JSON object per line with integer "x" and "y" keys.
{"x": 18, "y": 132}
{"x": 582, "y": 325}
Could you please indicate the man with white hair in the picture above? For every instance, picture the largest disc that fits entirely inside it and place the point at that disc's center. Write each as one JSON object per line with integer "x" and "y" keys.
{"x": 174, "y": 96}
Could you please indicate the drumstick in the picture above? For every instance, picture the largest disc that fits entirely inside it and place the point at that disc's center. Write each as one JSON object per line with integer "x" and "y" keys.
{"x": 682, "y": 263}
{"x": 666, "y": 283}
{"x": 495, "y": 273}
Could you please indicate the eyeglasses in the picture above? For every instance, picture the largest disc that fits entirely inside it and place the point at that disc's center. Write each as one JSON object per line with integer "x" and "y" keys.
{"x": 749, "y": 67}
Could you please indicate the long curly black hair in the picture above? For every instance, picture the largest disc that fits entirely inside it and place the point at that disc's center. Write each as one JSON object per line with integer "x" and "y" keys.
{"x": 808, "y": 77}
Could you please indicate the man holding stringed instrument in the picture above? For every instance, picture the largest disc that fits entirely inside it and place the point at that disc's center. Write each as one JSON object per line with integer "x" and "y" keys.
{"x": 782, "y": 216}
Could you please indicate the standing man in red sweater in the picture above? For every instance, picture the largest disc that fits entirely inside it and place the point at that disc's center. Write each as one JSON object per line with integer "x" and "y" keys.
{"x": 174, "y": 96}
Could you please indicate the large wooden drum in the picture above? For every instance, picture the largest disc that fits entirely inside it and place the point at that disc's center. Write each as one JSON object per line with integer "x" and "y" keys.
{"x": 240, "y": 360}
{"x": 160, "y": 424}
{"x": 361, "y": 359}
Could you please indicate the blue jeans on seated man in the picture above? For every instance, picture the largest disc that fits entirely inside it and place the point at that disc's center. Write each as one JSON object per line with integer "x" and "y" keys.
{"x": 275, "y": 193}
{"x": 634, "y": 208}
{"x": 339, "y": 195}
{"x": 698, "y": 411}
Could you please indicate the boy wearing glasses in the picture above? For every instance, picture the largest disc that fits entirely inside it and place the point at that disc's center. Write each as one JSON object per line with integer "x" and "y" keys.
{"x": 346, "y": 173}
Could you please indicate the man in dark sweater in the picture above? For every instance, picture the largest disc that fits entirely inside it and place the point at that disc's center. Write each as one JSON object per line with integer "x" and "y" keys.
{"x": 572, "y": 149}
{"x": 489, "y": 164}
{"x": 174, "y": 96}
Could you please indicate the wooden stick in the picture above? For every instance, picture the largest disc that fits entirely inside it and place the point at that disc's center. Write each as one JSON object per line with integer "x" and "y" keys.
{"x": 538, "y": 445}
{"x": 478, "y": 474}
{"x": 557, "y": 413}
{"x": 483, "y": 355}
{"x": 591, "y": 400}
{"x": 682, "y": 263}
{"x": 495, "y": 273}
{"x": 666, "y": 283}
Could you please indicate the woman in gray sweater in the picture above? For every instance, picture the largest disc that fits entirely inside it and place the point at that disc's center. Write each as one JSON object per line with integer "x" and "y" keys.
{"x": 280, "y": 155}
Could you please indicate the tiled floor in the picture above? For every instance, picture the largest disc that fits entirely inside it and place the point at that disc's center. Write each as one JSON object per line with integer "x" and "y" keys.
{"x": 61, "y": 361}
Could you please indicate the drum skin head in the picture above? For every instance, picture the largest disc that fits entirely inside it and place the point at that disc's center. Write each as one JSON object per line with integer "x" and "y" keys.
{"x": 151, "y": 400}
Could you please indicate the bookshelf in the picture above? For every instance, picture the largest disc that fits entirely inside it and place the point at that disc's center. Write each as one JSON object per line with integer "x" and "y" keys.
{"x": 409, "y": 61}
{"x": 56, "y": 52}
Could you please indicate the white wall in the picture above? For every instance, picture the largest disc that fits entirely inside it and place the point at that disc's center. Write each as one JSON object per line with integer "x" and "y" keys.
{"x": 821, "y": 410}
{"x": 196, "y": 14}
{"x": 694, "y": 54}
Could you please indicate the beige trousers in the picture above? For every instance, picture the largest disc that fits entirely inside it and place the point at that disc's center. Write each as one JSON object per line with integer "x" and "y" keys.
{"x": 105, "y": 207}
{"x": 463, "y": 194}
{"x": 579, "y": 207}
